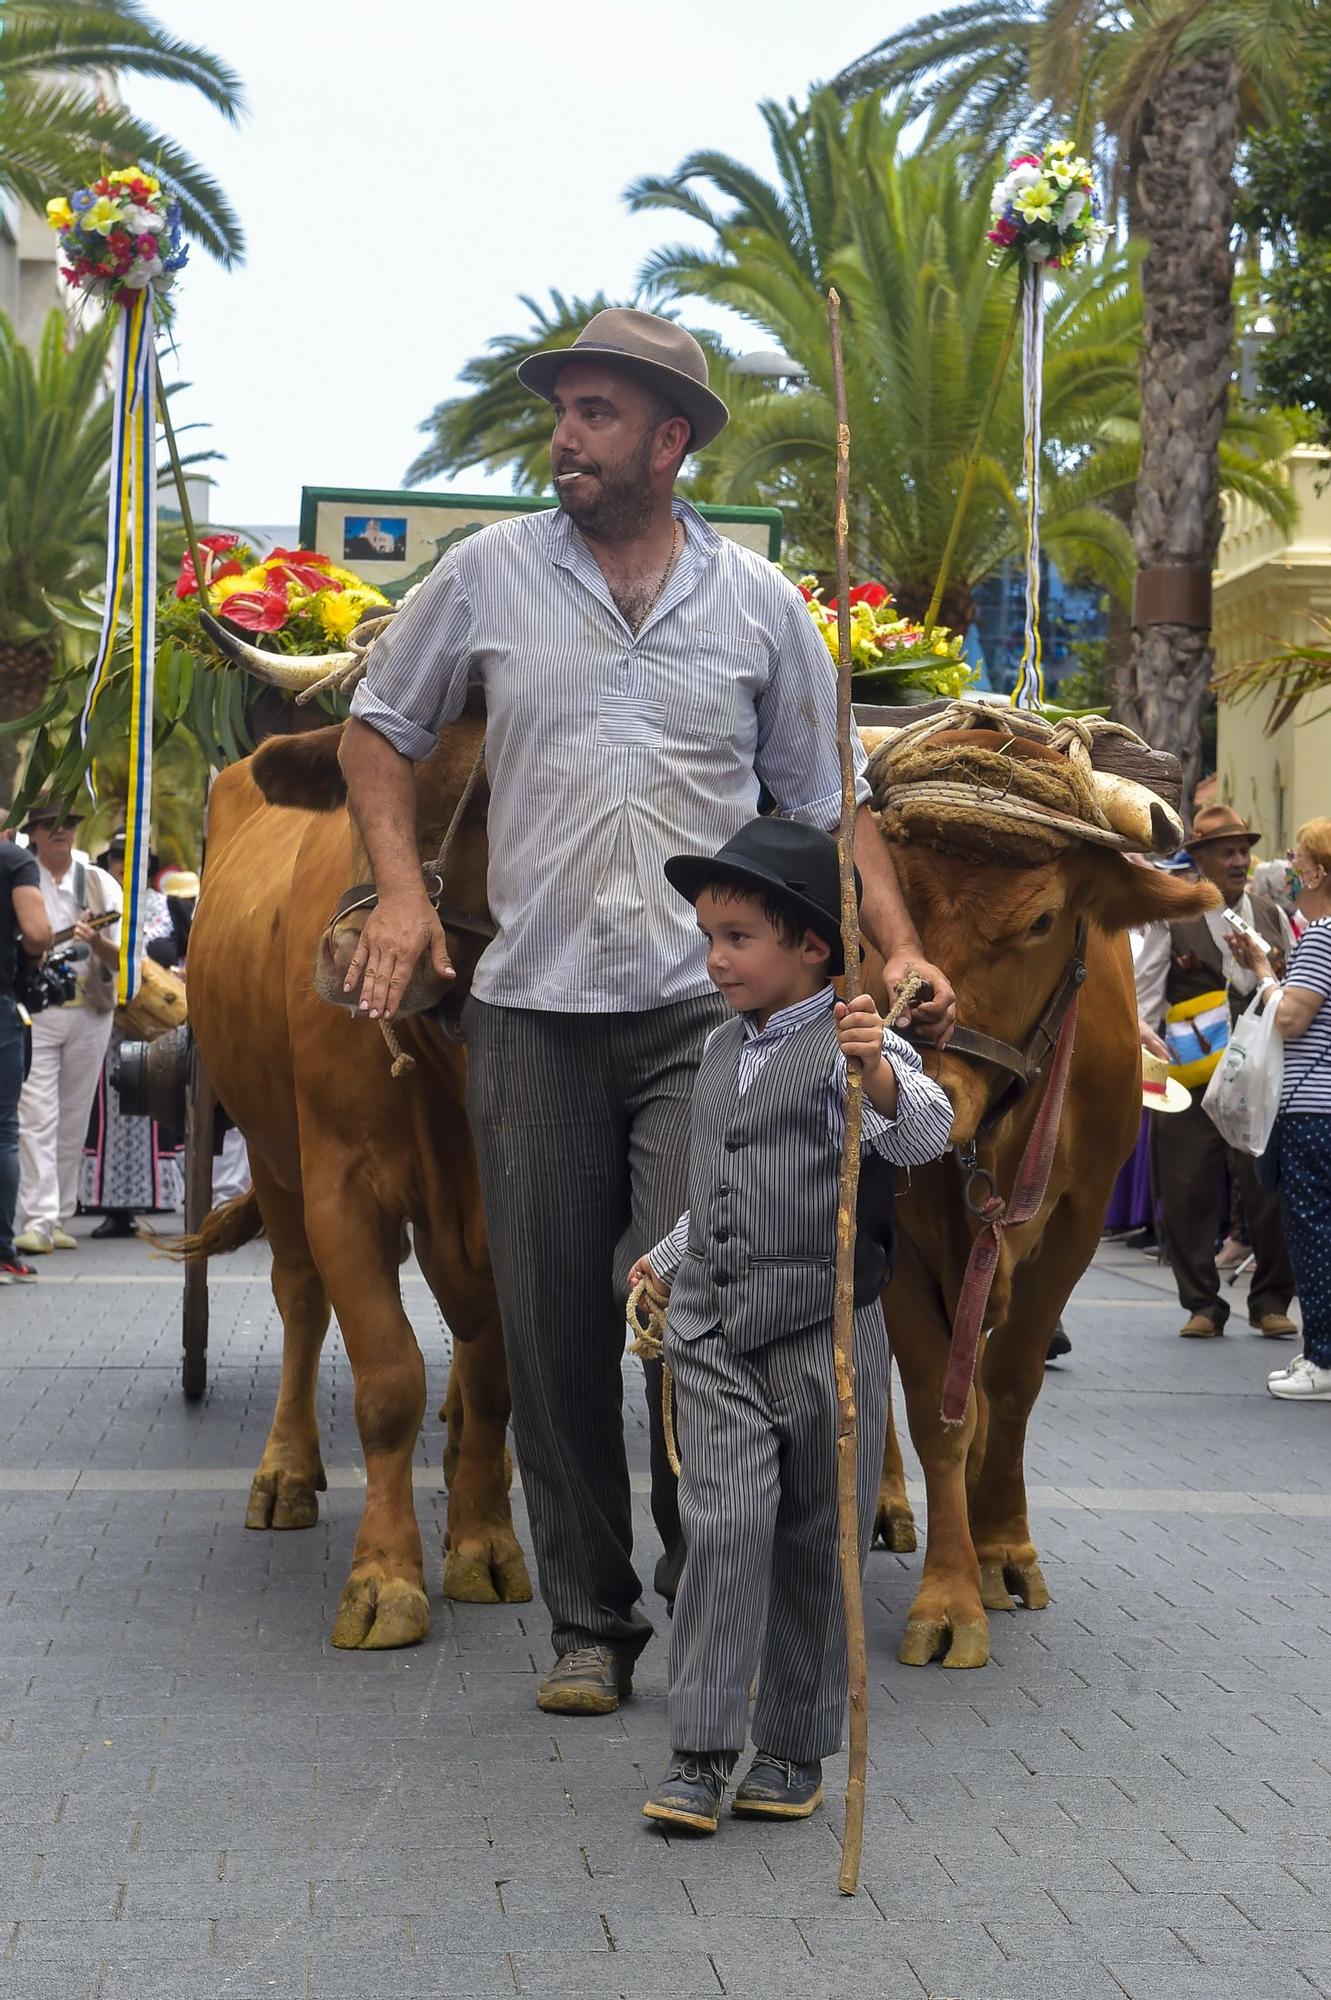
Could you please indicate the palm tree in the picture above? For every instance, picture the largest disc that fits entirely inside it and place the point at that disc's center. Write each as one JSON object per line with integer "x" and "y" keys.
{"x": 903, "y": 240}
{"x": 1164, "y": 84}
{"x": 55, "y": 132}
{"x": 55, "y": 441}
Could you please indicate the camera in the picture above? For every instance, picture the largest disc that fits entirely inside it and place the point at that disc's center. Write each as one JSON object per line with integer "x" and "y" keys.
{"x": 52, "y": 983}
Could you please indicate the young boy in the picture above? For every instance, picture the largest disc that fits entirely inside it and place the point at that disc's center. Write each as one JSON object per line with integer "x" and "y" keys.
{"x": 749, "y": 1268}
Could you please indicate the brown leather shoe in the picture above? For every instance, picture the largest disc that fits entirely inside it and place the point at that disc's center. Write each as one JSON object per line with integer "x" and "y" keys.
{"x": 1275, "y": 1326}
{"x": 591, "y": 1680}
{"x": 1201, "y": 1327}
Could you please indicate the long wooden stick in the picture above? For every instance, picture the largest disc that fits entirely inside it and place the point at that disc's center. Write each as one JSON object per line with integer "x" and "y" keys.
{"x": 973, "y": 464}
{"x": 178, "y": 470}
{"x": 843, "y": 1324}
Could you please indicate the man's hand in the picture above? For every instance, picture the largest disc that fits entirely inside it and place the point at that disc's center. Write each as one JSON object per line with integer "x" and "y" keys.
{"x": 1249, "y": 955}
{"x": 1157, "y": 1045}
{"x": 934, "y": 1019}
{"x": 394, "y": 936}
{"x": 859, "y": 1030}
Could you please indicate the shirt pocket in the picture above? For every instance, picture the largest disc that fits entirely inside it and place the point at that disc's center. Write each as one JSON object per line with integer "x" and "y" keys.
{"x": 727, "y": 675}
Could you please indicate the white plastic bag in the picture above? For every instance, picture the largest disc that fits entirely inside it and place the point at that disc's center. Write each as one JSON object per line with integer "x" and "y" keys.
{"x": 1243, "y": 1096}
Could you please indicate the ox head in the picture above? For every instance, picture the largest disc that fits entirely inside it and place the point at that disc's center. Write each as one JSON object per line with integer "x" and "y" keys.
{"x": 304, "y": 772}
{"x": 1005, "y": 935}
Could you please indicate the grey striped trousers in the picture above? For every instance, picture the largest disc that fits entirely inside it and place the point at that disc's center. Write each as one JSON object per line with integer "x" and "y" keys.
{"x": 581, "y": 1127}
{"x": 761, "y": 1589}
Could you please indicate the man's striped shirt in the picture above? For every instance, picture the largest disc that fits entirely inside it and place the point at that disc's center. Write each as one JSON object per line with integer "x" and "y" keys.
{"x": 608, "y": 750}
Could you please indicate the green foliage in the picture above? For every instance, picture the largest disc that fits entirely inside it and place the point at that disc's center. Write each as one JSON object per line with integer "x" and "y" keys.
{"x": 55, "y": 441}
{"x": 903, "y": 240}
{"x": 1000, "y": 70}
{"x": 56, "y": 132}
{"x": 1288, "y": 200}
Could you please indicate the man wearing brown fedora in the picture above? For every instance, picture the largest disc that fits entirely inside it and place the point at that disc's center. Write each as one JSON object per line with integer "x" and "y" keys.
{"x": 644, "y": 680}
{"x": 1180, "y": 966}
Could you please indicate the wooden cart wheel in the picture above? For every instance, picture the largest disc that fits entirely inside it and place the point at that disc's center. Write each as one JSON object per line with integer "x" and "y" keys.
{"x": 200, "y": 1105}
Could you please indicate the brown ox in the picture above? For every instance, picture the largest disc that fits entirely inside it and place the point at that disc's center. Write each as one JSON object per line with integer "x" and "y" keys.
{"x": 1005, "y": 935}
{"x": 345, "y": 1159}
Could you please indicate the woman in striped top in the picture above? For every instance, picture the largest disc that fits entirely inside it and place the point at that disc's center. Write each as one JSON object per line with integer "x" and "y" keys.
{"x": 1304, "y": 1132}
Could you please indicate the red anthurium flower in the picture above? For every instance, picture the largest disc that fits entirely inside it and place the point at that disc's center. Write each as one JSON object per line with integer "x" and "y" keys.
{"x": 872, "y": 594}
{"x": 310, "y": 556}
{"x": 218, "y": 543}
{"x": 305, "y": 576}
{"x": 257, "y": 610}
{"x": 186, "y": 582}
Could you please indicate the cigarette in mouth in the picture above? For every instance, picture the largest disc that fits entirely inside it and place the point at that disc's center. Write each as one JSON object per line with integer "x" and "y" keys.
{"x": 567, "y": 475}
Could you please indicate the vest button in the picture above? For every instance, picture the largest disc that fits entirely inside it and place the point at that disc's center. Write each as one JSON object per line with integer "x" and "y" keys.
{"x": 721, "y": 1279}
{"x": 723, "y": 1190}
{"x": 720, "y": 1236}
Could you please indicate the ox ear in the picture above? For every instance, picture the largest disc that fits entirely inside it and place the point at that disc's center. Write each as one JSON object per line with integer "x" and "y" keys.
{"x": 1120, "y": 893}
{"x": 302, "y": 771}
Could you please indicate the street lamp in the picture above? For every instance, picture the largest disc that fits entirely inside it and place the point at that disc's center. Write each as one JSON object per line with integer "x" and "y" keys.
{"x": 769, "y": 364}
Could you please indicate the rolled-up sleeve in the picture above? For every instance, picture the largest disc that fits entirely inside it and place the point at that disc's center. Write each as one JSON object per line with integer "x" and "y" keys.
{"x": 666, "y": 1256}
{"x": 797, "y": 757}
{"x": 420, "y": 670}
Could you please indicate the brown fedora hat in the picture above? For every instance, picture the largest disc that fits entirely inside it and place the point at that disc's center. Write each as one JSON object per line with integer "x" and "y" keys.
{"x": 1219, "y": 823}
{"x": 655, "y": 350}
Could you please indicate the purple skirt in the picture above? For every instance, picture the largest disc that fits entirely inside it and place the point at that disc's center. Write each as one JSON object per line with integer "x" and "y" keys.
{"x": 1130, "y": 1204}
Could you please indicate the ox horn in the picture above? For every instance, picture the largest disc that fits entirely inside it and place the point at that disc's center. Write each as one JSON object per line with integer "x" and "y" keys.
{"x": 281, "y": 670}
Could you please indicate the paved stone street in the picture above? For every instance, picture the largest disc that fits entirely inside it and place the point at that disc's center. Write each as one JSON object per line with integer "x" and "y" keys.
{"x": 201, "y": 1798}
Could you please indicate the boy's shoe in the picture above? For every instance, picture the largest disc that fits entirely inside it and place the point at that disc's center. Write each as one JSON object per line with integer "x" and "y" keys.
{"x": 590, "y": 1680}
{"x": 777, "y": 1788}
{"x": 1304, "y": 1383}
{"x": 689, "y": 1796}
{"x": 33, "y": 1243}
{"x": 62, "y": 1240}
{"x": 13, "y": 1271}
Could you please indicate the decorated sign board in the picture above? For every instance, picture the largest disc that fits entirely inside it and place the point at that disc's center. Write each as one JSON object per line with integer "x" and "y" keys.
{"x": 394, "y": 539}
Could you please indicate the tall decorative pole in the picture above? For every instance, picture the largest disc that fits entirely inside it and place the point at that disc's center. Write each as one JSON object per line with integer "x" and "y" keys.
{"x": 843, "y": 1323}
{"x": 121, "y": 243}
{"x": 1043, "y": 212}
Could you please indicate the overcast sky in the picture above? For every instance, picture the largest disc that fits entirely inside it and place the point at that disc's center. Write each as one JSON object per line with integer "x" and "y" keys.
{"x": 408, "y": 168}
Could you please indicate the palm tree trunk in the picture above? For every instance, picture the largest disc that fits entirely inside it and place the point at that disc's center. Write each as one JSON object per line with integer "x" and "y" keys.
{"x": 25, "y": 672}
{"x": 1184, "y": 190}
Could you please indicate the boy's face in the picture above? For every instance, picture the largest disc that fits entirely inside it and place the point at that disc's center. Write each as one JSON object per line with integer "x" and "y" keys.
{"x": 749, "y": 961}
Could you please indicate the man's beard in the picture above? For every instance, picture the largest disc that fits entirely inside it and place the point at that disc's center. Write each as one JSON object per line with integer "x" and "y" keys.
{"x": 619, "y": 506}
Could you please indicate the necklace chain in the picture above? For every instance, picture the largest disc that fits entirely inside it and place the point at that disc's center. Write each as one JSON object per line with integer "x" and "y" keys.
{"x": 657, "y": 594}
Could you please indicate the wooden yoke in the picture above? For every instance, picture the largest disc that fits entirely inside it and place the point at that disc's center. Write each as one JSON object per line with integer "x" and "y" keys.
{"x": 843, "y": 1325}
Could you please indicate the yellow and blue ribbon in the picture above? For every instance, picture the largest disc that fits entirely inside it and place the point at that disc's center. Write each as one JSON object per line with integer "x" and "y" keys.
{"x": 132, "y": 555}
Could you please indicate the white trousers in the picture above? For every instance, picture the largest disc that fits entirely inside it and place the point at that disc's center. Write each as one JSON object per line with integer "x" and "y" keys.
{"x": 68, "y": 1049}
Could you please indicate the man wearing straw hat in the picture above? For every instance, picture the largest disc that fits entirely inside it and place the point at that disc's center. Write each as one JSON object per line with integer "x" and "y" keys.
{"x": 1186, "y": 975}
{"x": 644, "y": 680}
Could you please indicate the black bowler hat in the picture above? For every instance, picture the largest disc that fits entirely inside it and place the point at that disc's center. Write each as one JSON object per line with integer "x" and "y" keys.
{"x": 776, "y": 857}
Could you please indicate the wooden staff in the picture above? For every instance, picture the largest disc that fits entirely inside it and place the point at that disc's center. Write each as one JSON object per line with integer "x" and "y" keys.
{"x": 843, "y": 1323}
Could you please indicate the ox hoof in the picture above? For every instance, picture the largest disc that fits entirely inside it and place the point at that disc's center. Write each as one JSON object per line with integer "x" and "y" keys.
{"x": 1002, "y": 1581}
{"x": 284, "y": 1500}
{"x": 489, "y": 1573}
{"x": 894, "y": 1529}
{"x": 379, "y": 1613}
{"x": 959, "y": 1645}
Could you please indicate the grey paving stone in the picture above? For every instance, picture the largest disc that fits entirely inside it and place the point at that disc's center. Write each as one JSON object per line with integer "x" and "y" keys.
{"x": 1103, "y": 1812}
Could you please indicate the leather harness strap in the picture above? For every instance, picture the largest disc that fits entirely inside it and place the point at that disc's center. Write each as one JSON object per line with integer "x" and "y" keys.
{"x": 364, "y": 895}
{"x": 996, "y": 1215}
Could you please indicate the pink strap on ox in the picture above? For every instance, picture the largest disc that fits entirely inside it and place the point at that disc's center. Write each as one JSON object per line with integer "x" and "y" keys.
{"x": 996, "y": 1215}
